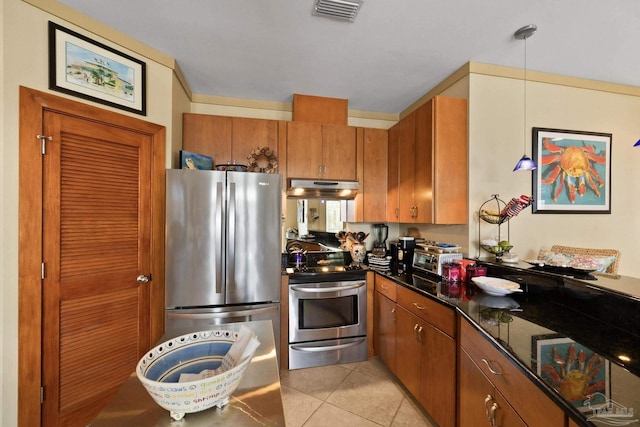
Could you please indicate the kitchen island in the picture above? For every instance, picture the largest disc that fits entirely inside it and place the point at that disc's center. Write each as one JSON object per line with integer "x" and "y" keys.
{"x": 256, "y": 402}
{"x": 597, "y": 315}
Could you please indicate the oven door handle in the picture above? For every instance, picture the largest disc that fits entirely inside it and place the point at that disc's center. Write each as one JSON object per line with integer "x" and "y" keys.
{"x": 327, "y": 347}
{"x": 327, "y": 290}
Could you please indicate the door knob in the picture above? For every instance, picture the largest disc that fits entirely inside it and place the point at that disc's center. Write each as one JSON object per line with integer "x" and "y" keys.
{"x": 143, "y": 279}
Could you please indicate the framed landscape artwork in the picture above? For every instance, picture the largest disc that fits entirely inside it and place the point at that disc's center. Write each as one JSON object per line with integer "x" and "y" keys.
{"x": 189, "y": 160}
{"x": 91, "y": 70}
{"x": 574, "y": 171}
{"x": 579, "y": 374}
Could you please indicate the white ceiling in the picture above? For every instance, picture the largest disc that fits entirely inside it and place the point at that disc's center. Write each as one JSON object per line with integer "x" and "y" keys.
{"x": 394, "y": 52}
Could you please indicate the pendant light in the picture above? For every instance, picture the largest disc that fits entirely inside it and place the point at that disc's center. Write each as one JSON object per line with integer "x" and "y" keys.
{"x": 525, "y": 163}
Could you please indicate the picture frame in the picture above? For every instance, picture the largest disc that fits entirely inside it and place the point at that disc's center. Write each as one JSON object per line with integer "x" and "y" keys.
{"x": 91, "y": 70}
{"x": 189, "y": 160}
{"x": 574, "y": 171}
{"x": 552, "y": 361}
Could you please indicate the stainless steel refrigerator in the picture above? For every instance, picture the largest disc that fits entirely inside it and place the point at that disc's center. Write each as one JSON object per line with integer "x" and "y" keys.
{"x": 223, "y": 247}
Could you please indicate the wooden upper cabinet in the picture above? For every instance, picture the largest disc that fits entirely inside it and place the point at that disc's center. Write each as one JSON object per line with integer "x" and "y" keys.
{"x": 227, "y": 139}
{"x": 406, "y": 169}
{"x": 317, "y": 151}
{"x": 432, "y": 166}
{"x": 318, "y": 109}
{"x": 339, "y": 152}
{"x": 374, "y": 179}
{"x": 393, "y": 174}
{"x": 304, "y": 150}
{"x": 450, "y": 164}
{"x": 208, "y": 135}
{"x": 249, "y": 134}
{"x": 423, "y": 173}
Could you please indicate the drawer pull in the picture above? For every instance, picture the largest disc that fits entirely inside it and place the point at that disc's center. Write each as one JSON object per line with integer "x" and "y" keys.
{"x": 418, "y": 306}
{"x": 384, "y": 288}
{"x": 490, "y": 368}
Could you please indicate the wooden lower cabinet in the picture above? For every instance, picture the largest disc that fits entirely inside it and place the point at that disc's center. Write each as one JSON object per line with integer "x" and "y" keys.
{"x": 512, "y": 390}
{"x": 479, "y": 400}
{"x": 418, "y": 353}
{"x": 426, "y": 365}
{"x": 384, "y": 330}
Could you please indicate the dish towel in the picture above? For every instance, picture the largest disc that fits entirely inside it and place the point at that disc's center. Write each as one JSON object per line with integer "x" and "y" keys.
{"x": 242, "y": 349}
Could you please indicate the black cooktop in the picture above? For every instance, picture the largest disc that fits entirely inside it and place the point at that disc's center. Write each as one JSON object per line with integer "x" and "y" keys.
{"x": 323, "y": 269}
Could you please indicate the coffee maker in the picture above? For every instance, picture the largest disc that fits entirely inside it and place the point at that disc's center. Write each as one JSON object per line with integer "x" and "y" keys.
{"x": 380, "y": 233}
{"x": 402, "y": 255}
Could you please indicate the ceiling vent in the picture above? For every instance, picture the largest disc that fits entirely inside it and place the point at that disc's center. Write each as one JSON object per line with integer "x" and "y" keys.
{"x": 343, "y": 10}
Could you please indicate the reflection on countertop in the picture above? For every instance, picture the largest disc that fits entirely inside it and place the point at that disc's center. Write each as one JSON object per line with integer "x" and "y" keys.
{"x": 554, "y": 311}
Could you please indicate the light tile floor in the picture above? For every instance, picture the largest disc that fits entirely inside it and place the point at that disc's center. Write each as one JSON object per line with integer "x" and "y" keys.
{"x": 363, "y": 394}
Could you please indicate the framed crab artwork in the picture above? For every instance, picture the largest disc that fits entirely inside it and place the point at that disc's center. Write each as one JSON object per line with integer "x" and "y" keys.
{"x": 574, "y": 171}
{"x": 577, "y": 373}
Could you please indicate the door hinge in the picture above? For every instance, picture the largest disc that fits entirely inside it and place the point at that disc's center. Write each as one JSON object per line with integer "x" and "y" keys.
{"x": 42, "y": 272}
{"x": 41, "y": 395}
{"x": 44, "y": 140}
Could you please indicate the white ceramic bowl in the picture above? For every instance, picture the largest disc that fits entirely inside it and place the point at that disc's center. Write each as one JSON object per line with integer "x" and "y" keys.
{"x": 496, "y": 286}
{"x": 159, "y": 371}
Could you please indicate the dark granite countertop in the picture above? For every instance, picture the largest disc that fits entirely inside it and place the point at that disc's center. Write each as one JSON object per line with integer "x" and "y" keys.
{"x": 599, "y": 315}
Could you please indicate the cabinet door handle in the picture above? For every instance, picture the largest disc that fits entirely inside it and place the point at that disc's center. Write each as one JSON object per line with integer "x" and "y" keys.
{"x": 397, "y": 213}
{"x": 493, "y": 371}
{"x": 420, "y": 334}
{"x": 418, "y": 306}
{"x": 487, "y": 399}
{"x": 415, "y": 331}
{"x": 492, "y": 414}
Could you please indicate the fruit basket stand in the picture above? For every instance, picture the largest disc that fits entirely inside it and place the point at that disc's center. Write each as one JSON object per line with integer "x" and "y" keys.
{"x": 496, "y": 212}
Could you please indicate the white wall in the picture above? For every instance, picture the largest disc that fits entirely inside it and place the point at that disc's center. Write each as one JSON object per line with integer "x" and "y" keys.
{"x": 4, "y": 261}
{"x": 496, "y": 130}
{"x": 495, "y": 144}
{"x": 24, "y": 53}
{"x": 497, "y": 140}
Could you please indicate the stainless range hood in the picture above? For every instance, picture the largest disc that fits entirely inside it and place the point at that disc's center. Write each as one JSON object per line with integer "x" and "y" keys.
{"x": 321, "y": 189}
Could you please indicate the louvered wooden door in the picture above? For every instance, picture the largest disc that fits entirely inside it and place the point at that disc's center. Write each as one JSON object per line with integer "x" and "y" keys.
{"x": 97, "y": 233}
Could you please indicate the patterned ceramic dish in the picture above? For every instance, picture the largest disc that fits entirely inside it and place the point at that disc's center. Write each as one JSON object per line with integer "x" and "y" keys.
{"x": 159, "y": 371}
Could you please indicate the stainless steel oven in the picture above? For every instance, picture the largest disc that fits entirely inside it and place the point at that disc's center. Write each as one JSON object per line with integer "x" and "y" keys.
{"x": 327, "y": 319}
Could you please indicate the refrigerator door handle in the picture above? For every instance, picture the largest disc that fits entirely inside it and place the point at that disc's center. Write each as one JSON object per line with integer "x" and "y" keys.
{"x": 219, "y": 233}
{"x": 231, "y": 242}
{"x": 223, "y": 314}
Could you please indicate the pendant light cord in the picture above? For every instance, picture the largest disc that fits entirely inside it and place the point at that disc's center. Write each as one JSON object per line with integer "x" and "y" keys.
{"x": 524, "y": 127}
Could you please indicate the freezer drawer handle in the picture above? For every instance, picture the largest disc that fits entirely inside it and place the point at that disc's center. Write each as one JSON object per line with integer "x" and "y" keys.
{"x": 331, "y": 289}
{"x": 328, "y": 347}
{"x": 224, "y": 314}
